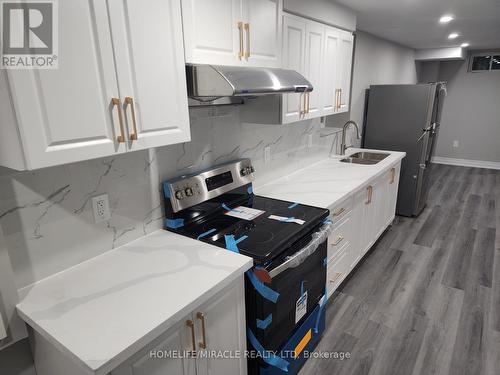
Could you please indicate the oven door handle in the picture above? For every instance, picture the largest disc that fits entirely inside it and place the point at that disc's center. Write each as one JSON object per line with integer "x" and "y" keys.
{"x": 300, "y": 256}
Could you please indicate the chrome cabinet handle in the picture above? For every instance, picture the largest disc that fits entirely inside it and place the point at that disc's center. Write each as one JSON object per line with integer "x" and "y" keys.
{"x": 129, "y": 101}
{"x": 240, "y": 28}
{"x": 118, "y": 104}
{"x": 190, "y": 324}
{"x": 247, "y": 29}
{"x": 202, "y": 344}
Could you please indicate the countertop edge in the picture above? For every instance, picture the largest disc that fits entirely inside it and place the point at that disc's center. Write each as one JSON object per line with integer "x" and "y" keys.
{"x": 111, "y": 364}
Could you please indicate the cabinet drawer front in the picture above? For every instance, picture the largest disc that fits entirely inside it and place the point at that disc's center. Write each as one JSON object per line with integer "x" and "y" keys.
{"x": 339, "y": 238}
{"x": 338, "y": 269}
{"x": 341, "y": 210}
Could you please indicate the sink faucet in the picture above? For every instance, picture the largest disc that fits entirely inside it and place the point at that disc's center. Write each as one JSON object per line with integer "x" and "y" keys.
{"x": 343, "y": 146}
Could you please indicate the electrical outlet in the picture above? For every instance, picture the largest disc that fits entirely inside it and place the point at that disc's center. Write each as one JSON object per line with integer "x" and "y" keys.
{"x": 309, "y": 140}
{"x": 267, "y": 154}
{"x": 456, "y": 144}
{"x": 100, "y": 206}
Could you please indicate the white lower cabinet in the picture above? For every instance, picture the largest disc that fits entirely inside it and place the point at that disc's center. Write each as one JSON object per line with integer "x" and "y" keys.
{"x": 358, "y": 223}
{"x": 218, "y": 325}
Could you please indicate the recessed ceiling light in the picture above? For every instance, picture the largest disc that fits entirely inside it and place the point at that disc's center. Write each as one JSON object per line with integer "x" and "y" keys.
{"x": 445, "y": 19}
{"x": 464, "y": 45}
{"x": 453, "y": 36}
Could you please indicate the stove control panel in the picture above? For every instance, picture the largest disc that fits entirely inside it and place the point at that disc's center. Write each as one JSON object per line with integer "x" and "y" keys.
{"x": 187, "y": 191}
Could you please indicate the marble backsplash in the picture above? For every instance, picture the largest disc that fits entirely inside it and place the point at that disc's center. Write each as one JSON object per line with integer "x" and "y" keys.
{"x": 46, "y": 215}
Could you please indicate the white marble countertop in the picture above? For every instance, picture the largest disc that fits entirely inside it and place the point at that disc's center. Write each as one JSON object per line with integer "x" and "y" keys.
{"x": 102, "y": 311}
{"x": 327, "y": 182}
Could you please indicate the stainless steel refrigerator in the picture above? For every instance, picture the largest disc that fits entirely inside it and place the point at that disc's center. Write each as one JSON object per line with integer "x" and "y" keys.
{"x": 406, "y": 118}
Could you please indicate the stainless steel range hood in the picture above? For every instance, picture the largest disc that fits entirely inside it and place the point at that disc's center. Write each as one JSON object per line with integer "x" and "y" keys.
{"x": 229, "y": 84}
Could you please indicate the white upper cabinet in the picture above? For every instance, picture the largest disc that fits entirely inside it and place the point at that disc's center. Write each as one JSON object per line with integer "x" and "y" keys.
{"x": 213, "y": 31}
{"x": 344, "y": 71}
{"x": 263, "y": 36}
{"x": 313, "y": 68}
{"x": 323, "y": 54}
{"x": 79, "y": 111}
{"x": 71, "y": 113}
{"x": 151, "y": 71}
{"x": 330, "y": 68}
{"x": 233, "y": 32}
{"x": 294, "y": 51}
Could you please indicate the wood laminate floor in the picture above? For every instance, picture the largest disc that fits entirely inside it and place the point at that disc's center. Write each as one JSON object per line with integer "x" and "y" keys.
{"x": 426, "y": 298}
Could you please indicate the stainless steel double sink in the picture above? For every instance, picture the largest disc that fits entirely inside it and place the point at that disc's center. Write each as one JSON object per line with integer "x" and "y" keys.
{"x": 366, "y": 158}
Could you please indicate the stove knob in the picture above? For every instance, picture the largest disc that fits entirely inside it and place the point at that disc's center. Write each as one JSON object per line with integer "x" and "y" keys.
{"x": 243, "y": 172}
{"x": 179, "y": 194}
{"x": 189, "y": 192}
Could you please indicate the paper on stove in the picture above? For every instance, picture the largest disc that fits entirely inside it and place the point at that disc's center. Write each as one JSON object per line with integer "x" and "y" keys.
{"x": 287, "y": 219}
{"x": 245, "y": 213}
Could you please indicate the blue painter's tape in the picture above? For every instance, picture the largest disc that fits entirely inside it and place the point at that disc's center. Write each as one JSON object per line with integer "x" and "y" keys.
{"x": 267, "y": 356}
{"x": 325, "y": 262}
{"x": 263, "y": 324}
{"x": 322, "y": 304}
{"x": 327, "y": 221}
{"x": 293, "y": 205}
{"x": 232, "y": 244}
{"x": 166, "y": 190}
{"x": 263, "y": 290}
{"x": 224, "y": 206}
{"x": 206, "y": 233}
{"x": 287, "y": 220}
{"x": 174, "y": 223}
{"x": 302, "y": 288}
{"x": 250, "y": 189}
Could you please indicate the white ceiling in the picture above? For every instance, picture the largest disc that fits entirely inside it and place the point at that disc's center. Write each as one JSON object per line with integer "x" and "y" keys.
{"x": 415, "y": 23}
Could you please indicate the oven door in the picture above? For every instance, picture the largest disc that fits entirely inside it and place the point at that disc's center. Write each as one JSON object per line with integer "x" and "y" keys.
{"x": 300, "y": 287}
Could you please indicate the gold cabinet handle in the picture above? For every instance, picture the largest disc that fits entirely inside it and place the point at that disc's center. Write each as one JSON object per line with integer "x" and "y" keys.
{"x": 118, "y": 104}
{"x": 338, "y": 212}
{"x": 240, "y": 28}
{"x": 308, "y": 102}
{"x": 370, "y": 194}
{"x": 340, "y": 99}
{"x": 202, "y": 344}
{"x": 190, "y": 324}
{"x": 337, "y": 241}
{"x": 393, "y": 175}
{"x": 336, "y": 277}
{"x": 129, "y": 101}
{"x": 247, "y": 29}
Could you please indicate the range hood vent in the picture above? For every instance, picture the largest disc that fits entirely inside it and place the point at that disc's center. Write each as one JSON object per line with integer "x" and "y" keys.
{"x": 207, "y": 83}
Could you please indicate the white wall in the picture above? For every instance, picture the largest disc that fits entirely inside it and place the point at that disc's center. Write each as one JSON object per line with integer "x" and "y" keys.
{"x": 471, "y": 112}
{"x": 377, "y": 61}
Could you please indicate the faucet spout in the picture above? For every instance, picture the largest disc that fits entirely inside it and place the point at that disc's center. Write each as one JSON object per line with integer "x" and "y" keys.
{"x": 343, "y": 146}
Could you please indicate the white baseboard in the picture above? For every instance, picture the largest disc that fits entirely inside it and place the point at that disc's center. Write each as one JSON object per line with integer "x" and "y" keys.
{"x": 467, "y": 162}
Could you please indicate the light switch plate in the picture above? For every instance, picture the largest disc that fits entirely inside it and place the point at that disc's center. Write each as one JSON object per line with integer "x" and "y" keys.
{"x": 100, "y": 207}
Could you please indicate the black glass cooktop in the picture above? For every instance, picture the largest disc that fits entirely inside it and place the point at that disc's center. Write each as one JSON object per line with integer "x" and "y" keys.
{"x": 261, "y": 238}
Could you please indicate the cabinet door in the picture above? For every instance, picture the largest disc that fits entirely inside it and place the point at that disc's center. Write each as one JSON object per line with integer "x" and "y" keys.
{"x": 330, "y": 68}
{"x": 345, "y": 64}
{"x": 294, "y": 45}
{"x": 263, "y": 32}
{"x": 223, "y": 319}
{"x": 176, "y": 340}
{"x": 211, "y": 33}
{"x": 313, "y": 67}
{"x": 392, "y": 193}
{"x": 151, "y": 71}
{"x": 360, "y": 223}
{"x": 67, "y": 114}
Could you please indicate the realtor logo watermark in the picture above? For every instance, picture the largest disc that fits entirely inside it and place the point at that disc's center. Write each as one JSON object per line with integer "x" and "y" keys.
{"x": 29, "y": 34}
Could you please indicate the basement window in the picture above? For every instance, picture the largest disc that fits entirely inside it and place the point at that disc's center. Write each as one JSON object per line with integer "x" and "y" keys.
{"x": 484, "y": 63}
